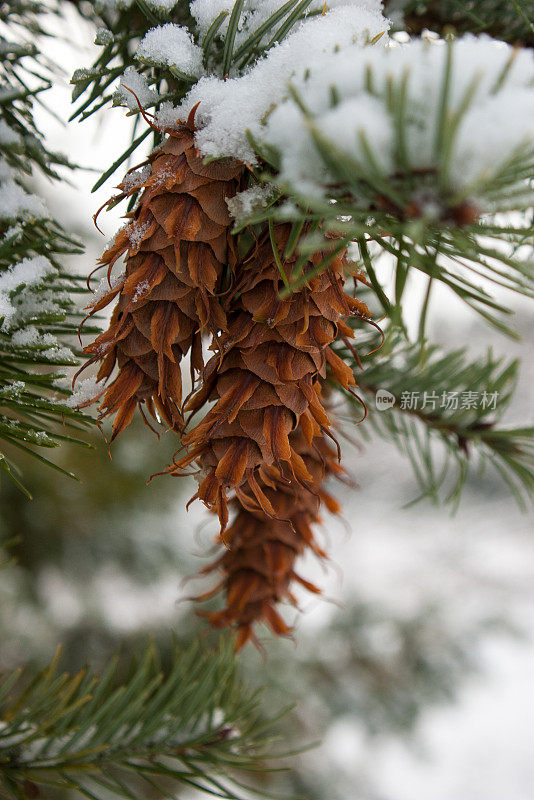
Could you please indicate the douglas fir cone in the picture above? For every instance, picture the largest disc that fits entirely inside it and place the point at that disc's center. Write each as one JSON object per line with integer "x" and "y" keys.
{"x": 262, "y": 447}
{"x": 178, "y": 251}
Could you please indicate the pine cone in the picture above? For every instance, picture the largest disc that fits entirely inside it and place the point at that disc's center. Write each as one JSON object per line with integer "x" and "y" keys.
{"x": 177, "y": 250}
{"x": 258, "y": 568}
{"x": 264, "y": 379}
{"x": 265, "y": 438}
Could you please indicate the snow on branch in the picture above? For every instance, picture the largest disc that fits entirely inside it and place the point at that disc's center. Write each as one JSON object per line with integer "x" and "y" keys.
{"x": 228, "y": 109}
{"x": 464, "y": 111}
{"x": 89, "y": 735}
{"x": 37, "y": 314}
{"x": 29, "y": 291}
{"x": 256, "y": 13}
{"x": 172, "y": 46}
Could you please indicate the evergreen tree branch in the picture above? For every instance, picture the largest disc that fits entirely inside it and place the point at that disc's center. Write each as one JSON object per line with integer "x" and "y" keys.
{"x": 466, "y": 238}
{"x": 445, "y": 415}
{"x": 37, "y": 315}
{"x": 452, "y": 255}
{"x": 164, "y": 82}
{"x": 194, "y": 725}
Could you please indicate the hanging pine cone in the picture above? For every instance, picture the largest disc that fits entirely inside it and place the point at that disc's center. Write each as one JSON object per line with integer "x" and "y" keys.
{"x": 264, "y": 437}
{"x": 178, "y": 250}
{"x": 258, "y": 568}
{"x": 263, "y": 380}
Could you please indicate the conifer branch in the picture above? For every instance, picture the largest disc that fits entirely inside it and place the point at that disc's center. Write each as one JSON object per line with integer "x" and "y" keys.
{"x": 193, "y": 725}
{"x": 444, "y": 413}
{"x": 164, "y": 82}
{"x": 463, "y": 236}
{"x": 37, "y": 315}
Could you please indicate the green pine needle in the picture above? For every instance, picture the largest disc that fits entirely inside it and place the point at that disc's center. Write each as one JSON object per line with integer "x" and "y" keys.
{"x": 446, "y": 416}
{"x": 42, "y": 320}
{"x": 193, "y": 725}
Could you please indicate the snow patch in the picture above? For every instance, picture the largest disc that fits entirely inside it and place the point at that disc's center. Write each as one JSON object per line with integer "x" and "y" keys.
{"x": 172, "y": 46}
{"x": 162, "y": 5}
{"x": 85, "y": 391}
{"x": 137, "y": 84}
{"x": 256, "y": 13}
{"x": 141, "y": 289}
{"x": 244, "y": 203}
{"x": 500, "y": 116}
{"x": 106, "y": 286}
{"x": 136, "y": 231}
{"x": 28, "y": 272}
{"x": 136, "y": 178}
{"x": 228, "y": 108}
{"x": 15, "y": 202}
{"x": 168, "y": 117}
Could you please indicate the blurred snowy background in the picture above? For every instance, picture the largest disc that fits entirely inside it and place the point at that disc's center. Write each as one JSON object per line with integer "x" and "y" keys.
{"x": 415, "y": 667}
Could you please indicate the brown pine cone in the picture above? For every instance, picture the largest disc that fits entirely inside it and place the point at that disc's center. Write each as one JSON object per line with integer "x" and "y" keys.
{"x": 262, "y": 446}
{"x": 258, "y": 568}
{"x": 264, "y": 379}
{"x": 178, "y": 252}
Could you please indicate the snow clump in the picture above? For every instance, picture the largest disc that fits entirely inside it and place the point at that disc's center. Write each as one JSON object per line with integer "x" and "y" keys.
{"x": 172, "y": 46}
{"x": 229, "y": 108}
